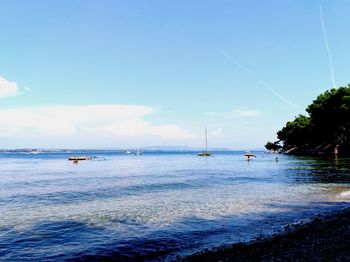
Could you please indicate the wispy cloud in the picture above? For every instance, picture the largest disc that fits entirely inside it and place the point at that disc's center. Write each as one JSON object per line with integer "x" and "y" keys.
{"x": 95, "y": 120}
{"x": 259, "y": 80}
{"x": 330, "y": 59}
{"x": 7, "y": 88}
{"x": 243, "y": 112}
{"x": 236, "y": 112}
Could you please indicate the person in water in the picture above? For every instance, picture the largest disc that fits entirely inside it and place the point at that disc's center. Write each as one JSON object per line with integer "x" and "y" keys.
{"x": 336, "y": 150}
{"x": 276, "y": 159}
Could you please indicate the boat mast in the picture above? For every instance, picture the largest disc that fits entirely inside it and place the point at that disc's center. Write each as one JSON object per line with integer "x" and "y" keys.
{"x": 206, "y": 140}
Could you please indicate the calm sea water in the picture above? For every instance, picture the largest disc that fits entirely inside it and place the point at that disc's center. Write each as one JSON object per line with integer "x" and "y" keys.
{"x": 155, "y": 206}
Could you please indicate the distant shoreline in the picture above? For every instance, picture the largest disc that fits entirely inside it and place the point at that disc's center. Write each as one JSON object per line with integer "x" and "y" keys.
{"x": 325, "y": 238}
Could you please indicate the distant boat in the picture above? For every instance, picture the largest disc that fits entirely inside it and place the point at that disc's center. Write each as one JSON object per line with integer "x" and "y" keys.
{"x": 249, "y": 155}
{"x": 206, "y": 152}
{"x": 79, "y": 158}
{"x": 128, "y": 152}
{"x": 33, "y": 152}
{"x": 138, "y": 152}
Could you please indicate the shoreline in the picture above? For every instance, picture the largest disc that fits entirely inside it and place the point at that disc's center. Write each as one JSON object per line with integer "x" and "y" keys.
{"x": 325, "y": 238}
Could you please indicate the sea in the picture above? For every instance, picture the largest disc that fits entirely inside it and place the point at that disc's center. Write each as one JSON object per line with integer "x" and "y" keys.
{"x": 157, "y": 206}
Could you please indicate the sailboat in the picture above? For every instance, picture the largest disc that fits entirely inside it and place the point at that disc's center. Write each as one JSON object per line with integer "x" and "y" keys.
{"x": 206, "y": 152}
{"x": 138, "y": 152}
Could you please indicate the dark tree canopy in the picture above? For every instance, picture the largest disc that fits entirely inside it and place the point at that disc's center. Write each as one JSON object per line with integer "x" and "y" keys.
{"x": 273, "y": 146}
{"x": 295, "y": 133}
{"x": 327, "y": 124}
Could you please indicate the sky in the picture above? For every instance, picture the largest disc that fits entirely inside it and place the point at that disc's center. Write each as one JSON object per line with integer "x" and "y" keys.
{"x": 120, "y": 74}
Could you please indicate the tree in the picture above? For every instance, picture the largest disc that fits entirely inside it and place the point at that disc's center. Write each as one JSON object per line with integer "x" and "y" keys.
{"x": 327, "y": 123}
{"x": 330, "y": 117}
{"x": 273, "y": 146}
{"x": 296, "y": 133}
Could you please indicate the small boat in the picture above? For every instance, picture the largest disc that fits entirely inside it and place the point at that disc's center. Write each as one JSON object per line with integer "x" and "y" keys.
{"x": 249, "y": 155}
{"x": 206, "y": 152}
{"x": 33, "y": 152}
{"x": 79, "y": 158}
{"x": 138, "y": 152}
{"x": 128, "y": 152}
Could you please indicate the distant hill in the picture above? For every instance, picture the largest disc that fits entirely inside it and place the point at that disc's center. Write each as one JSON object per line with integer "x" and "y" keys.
{"x": 148, "y": 148}
{"x": 182, "y": 148}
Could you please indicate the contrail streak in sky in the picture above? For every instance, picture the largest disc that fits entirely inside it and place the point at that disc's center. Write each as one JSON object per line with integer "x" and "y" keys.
{"x": 331, "y": 69}
{"x": 262, "y": 82}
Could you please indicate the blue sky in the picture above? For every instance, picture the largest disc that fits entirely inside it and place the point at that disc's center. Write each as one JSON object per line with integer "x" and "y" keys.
{"x": 127, "y": 73}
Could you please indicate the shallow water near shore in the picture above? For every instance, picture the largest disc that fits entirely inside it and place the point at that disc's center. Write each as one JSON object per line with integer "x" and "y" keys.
{"x": 158, "y": 205}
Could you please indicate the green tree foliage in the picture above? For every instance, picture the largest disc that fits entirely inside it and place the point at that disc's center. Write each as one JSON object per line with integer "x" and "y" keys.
{"x": 273, "y": 146}
{"x": 327, "y": 123}
{"x": 296, "y": 133}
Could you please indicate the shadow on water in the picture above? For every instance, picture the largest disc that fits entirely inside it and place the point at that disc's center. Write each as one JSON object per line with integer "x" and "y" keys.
{"x": 171, "y": 243}
{"x": 48, "y": 240}
{"x": 77, "y": 241}
{"x": 321, "y": 170}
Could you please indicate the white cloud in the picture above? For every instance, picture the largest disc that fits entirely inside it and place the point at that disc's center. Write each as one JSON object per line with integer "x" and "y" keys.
{"x": 89, "y": 120}
{"x": 237, "y": 112}
{"x": 7, "y": 88}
